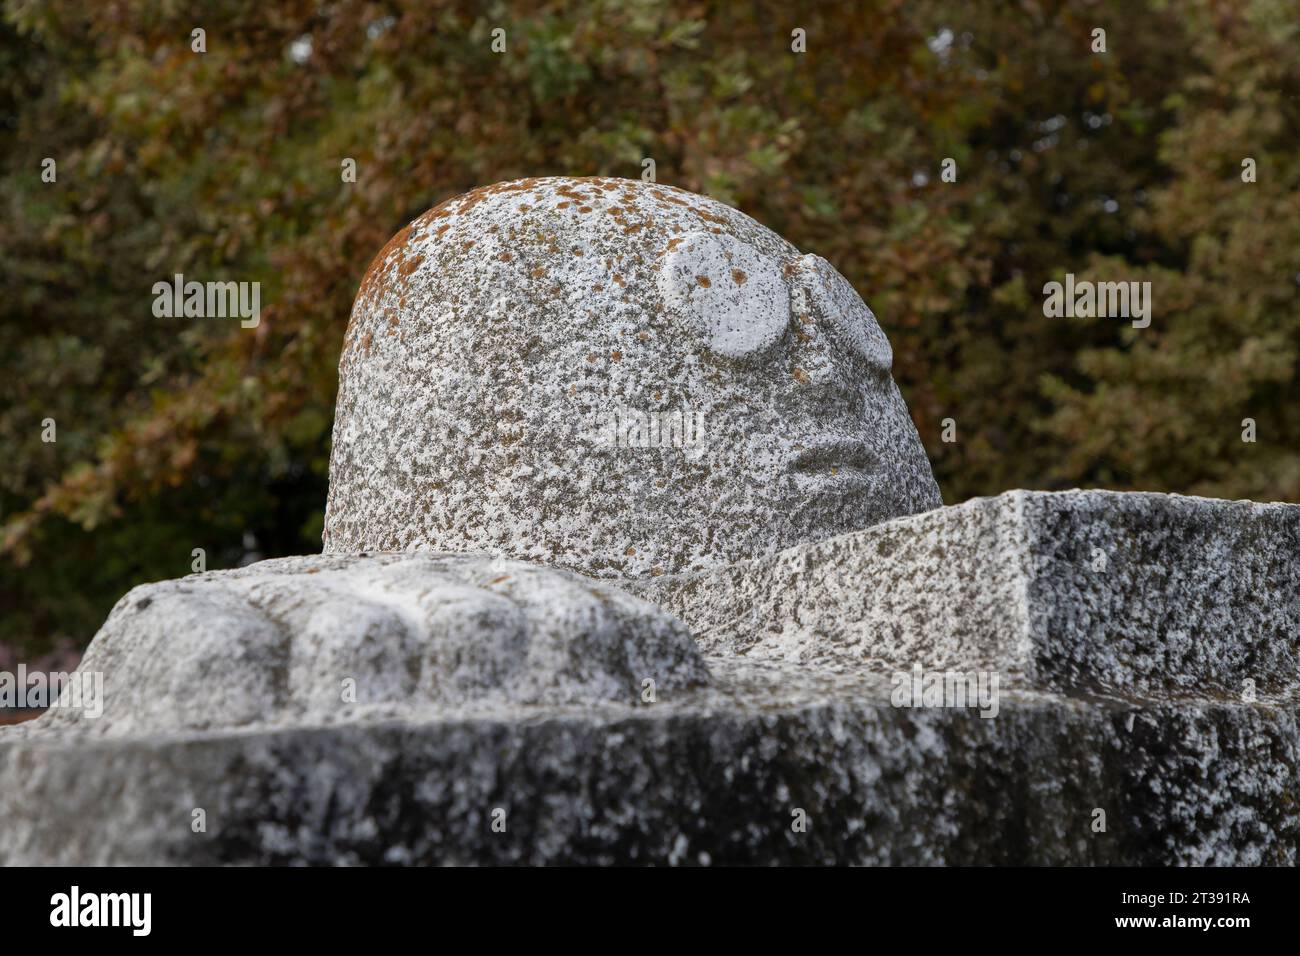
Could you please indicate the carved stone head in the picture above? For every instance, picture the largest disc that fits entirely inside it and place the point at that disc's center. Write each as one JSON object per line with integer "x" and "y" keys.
{"x": 616, "y": 377}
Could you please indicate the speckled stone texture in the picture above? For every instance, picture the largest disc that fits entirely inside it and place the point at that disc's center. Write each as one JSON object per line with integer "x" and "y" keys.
{"x": 714, "y": 777}
{"x": 720, "y": 682}
{"x": 331, "y": 639}
{"x": 1081, "y": 592}
{"x": 518, "y": 358}
{"x": 1120, "y": 694}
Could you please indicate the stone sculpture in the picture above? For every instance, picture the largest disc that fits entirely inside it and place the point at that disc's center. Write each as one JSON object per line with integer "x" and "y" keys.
{"x": 492, "y": 335}
{"x": 542, "y": 632}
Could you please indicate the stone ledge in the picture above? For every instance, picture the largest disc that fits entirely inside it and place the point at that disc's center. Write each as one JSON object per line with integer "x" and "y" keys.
{"x": 1138, "y": 594}
{"x": 715, "y": 781}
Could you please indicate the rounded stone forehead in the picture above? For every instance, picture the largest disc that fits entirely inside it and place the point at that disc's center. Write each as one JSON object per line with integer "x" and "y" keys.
{"x": 630, "y": 212}
{"x": 600, "y": 244}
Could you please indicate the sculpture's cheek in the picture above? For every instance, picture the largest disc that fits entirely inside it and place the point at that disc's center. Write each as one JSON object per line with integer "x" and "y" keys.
{"x": 731, "y": 296}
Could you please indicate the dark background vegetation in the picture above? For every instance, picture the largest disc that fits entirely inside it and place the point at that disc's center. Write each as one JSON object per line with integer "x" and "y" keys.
{"x": 175, "y": 434}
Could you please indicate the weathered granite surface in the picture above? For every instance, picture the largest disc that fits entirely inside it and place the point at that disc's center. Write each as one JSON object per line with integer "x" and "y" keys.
{"x": 743, "y": 705}
{"x": 1081, "y": 592}
{"x": 518, "y": 358}
{"x": 1112, "y": 714}
{"x": 333, "y": 639}
{"x": 715, "y": 776}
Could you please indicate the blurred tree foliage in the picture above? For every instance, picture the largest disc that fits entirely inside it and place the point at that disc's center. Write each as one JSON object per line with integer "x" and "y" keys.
{"x": 175, "y": 434}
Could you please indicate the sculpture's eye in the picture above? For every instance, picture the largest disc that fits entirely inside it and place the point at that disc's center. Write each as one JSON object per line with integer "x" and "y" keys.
{"x": 824, "y": 295}
{"x": 732, "y": 295}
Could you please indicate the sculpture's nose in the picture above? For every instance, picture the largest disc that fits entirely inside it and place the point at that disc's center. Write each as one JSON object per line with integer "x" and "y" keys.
{"x": 819, "y": 363}
{"x": 813, "y": 361}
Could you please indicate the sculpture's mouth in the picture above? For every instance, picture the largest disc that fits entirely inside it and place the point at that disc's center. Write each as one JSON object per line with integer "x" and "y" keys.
{"x": 843, "y": 457}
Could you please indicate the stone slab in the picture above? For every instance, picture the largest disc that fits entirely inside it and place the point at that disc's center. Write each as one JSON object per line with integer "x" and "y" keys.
{"x": 708, "y": 776}
{"x": 1082, "y": 592}
{"x": 1120, "y": 695}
